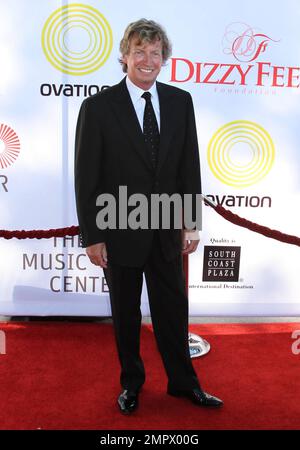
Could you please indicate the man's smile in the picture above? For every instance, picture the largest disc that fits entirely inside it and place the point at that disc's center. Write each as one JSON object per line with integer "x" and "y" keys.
{"x": 146, "y": 70}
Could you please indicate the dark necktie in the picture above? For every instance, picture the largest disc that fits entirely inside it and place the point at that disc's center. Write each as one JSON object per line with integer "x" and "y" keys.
{"x": 150, "y": 128}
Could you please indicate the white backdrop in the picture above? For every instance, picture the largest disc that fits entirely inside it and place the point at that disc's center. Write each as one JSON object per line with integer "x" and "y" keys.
{"x": 241, "y": 64}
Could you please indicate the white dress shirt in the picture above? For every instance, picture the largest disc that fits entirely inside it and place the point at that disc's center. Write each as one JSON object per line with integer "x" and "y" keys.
{"x": 139, "y": 105}
{"x": 139, "y": 102}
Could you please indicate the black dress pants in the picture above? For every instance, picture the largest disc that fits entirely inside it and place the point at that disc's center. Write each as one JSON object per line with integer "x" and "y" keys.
{"x": 169, "y": 312}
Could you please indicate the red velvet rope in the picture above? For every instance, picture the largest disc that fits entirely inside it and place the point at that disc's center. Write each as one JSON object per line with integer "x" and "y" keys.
{"x": 268, "y": 232}
{"x": 40, "y": 234}
{"x": 228, "y": 215}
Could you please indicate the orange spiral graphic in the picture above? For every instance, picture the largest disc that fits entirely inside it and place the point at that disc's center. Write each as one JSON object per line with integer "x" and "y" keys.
{"x": 10, "y": 146}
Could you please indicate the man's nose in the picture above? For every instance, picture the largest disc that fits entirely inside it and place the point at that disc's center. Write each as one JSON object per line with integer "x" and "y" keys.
{"x": 147, "y": 58}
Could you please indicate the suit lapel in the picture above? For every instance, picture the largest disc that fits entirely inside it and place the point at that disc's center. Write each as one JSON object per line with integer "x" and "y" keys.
{"x": 126, "y": 114}
{"x": 167, "y": 122}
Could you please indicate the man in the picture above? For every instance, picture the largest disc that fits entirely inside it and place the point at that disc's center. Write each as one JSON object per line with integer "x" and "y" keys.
{"x": 141, "y": 134}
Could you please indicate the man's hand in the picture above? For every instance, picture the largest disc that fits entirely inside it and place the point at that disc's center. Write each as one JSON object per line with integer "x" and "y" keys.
{"x": 190, "y": 241}
{"x": 98, "y": 254}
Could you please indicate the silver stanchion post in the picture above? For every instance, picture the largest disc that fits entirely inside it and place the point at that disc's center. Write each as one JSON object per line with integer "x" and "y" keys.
{"x": 197, "y": 345}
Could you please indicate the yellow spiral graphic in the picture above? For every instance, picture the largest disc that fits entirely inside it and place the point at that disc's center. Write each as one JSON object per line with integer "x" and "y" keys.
{"x": 241, "y": 153}
{"x": 77, "y": 39}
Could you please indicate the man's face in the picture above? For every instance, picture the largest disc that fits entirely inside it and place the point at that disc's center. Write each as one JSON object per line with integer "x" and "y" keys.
{"x": 144, "y": 62}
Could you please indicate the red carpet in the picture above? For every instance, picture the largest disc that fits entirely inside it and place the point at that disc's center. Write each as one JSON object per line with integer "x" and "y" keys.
{"x": 65, "y": 376}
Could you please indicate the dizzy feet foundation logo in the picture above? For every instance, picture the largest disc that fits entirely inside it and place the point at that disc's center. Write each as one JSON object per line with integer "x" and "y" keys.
{"x": 241, "y": 41}
{"x": 241, "y": 153}
{"x": 77, "y": 39}
{"x": 9, "y": 146}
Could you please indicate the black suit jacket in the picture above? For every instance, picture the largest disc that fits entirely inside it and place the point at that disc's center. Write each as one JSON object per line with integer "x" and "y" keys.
{"x": 110, "y": 152}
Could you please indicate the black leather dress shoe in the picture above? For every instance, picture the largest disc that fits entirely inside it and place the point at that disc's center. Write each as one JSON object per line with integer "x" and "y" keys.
{"x": 198, "y": 397}
{"x": 128, "y": 401}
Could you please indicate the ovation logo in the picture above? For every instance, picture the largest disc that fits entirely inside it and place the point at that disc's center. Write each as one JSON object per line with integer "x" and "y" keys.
{"x": 241, "y": 153}
{"x": 77, "y": 39}
{"x": 9, "y": 146}
{"x": 241, "y": 41}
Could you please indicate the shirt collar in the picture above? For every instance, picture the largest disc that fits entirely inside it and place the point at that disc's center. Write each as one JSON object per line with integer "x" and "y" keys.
{"x": 136, "y": 92}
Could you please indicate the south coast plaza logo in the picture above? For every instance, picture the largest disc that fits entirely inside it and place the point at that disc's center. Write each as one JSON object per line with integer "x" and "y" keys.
{"x": 241, "y": 153}
{"x": 9, "y": 146}
{"x": 77, "y": 39}
{"x": 221, "y": 263}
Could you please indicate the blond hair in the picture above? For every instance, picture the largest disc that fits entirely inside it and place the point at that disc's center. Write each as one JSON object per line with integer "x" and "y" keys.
{"x": 146, "y": 31}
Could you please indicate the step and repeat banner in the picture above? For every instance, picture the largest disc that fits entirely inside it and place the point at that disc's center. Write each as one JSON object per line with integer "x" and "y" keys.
{"x": 241, "y": 64}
